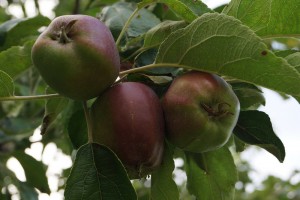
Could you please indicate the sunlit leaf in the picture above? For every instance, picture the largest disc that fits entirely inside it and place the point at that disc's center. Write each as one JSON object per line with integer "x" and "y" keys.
{"x": 221, "y": 44}
{"x": 211, "y": 175}
{"x": 269, "y": 18}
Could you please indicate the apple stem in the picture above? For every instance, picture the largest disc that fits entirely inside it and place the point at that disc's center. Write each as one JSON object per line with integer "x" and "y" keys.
{"x": 88, "y": 121}
{"x": 219, "y": 112}
{"x": 63, "y": 37}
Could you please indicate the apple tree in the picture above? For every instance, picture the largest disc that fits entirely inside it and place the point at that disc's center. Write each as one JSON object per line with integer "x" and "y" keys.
{"x": 127, "y": 87}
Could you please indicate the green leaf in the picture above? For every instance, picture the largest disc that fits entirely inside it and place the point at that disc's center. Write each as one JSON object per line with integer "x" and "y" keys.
{"x": 196, "y": 6}
{"x": 77, "y": 129}
{"x": 255, "y": 127}
{"x": 188, "y": 10}
{"x": 211, "y": 175}
{"x": 6, "y": 85}
{"x": 250, "y": 96}
{"x": 16, "y": 59}
{"x": 163, "y": 186}
{"x": 294, "y": 60}
{"x": 98, "y": 174}
{"x": 285, "y": 53}
{"x": 27, "y": 192}
{"x": 221, "y": 44}
{"x": 35, "y": 171}
{"x": 115, "y": 17}
{"x": 16, "y": 31}
{"x": 156, "y": 35}
{"x": 269, "y": 18}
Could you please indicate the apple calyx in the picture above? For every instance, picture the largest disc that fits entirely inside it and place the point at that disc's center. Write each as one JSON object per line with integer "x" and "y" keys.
{"x": 63, "y": 37}
{"x": 220, "y": 111}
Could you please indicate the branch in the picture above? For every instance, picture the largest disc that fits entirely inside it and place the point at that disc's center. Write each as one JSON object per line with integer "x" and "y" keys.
{"x": 27, "y": 98}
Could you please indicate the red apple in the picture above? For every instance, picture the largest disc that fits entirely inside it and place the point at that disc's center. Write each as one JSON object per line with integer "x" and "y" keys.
{"x": 201, "y": 111}
{"x": 128, "y": 118}
{"x": 76, "y": 55}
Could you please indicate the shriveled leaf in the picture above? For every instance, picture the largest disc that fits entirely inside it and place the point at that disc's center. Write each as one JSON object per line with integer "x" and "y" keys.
{"x": 16, "y": 59}
{"x": 250, "y": 96}
{"x": 116, "y": 15}
{"x": 211, "y": 175}
{"x": 6, "y": 85}
{"x": 98, "y": 174}
{"x": 221, "y": 44}
{"x": 35, "y": 171}
{"x": 53, "y": 108}
{"x": 77, "y": 129}
{"x": 163, "y": 186}
{"x": 255, "y": 127}
{"x": 268, "y": 18}
{"x": 15, "y": 31}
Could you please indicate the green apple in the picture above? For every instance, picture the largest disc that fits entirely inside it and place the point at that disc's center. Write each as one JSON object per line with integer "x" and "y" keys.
{"x": 200, "y": 111}
{"x": 128, "y": 119}
{"x": 76, "y": 56}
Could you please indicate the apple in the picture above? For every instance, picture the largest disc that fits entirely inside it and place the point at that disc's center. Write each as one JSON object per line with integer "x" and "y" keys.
{"x": 200, "y": 111}
{"x": 128, "y": 118}
{"x": 76, "y": 56}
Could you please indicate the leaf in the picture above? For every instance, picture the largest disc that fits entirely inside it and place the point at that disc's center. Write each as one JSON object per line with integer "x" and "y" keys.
{"x": 34, "y": 171}
{"x": 115, "y": 17}
{"x": 163, "y": 186}
{"x": 294, "y": 60}
{"x": 98, "y": 174}
{"x": 255, "y": 127}
{"x": 27, "y": 192}
{"x": 6, "y": 85}
{"x": 188, "y": 10}
{"x": 15, "y": 31}
{"x": 285, "y": 53}
{"x": 220, "y": 44}
{"x": 196, "y": 6}
{"x": 53, "y": 108}
{"x": 77, "y": 129}
{"x": 156, "y": 35}
{"x": 211, "y": 175}
{"x": 250, "y": 96}
{"x": 16, "y": 59}
{"x": 268, "y": 18}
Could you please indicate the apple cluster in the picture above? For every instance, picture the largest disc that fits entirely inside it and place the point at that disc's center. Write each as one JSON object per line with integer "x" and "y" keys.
{"x": 76, "y": 56}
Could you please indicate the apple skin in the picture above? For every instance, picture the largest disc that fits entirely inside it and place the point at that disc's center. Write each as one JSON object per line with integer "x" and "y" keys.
{"x": 76, "y": 56}
{"x": 128, "y": 118}
{"x": 200, "y": 111}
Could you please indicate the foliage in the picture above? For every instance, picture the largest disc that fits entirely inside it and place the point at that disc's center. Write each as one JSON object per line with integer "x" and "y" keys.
{"x": 160, "y": 39}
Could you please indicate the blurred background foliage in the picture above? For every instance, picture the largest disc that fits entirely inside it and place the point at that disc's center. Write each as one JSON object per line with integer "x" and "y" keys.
{"x": 20, "y": 121}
